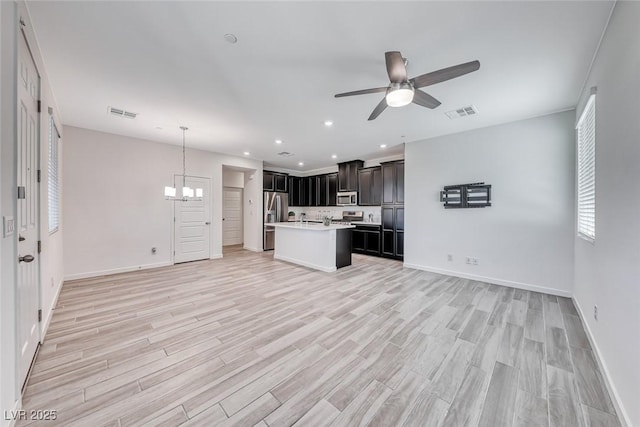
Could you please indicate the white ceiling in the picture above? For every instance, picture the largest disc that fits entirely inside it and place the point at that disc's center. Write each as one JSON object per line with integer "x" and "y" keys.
{"x": 169, "y": 62}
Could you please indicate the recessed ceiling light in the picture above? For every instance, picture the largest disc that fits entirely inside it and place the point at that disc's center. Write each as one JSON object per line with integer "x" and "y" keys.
{"x": 328, "y": 123}
{"x": 278, "y": 141}
{"x": 300, "y": 163}
{"x": 333, "y": 156}
{"x": 246, "y": 153}
{"x": 231, "y": 38}
{"x": 383, "y": 145}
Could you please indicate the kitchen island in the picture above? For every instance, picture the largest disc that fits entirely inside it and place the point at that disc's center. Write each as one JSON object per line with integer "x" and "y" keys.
{"x": 313, "y": 245}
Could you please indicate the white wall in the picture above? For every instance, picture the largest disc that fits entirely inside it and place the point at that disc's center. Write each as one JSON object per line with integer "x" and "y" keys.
{"x": 51, "y": 258}
{"x": 232, "y": 178}
{"x": 607, "y": 273}
{"x": 114, "y": 208}
{"x": 252, "y": 206}
{"x": 525, "y": 239}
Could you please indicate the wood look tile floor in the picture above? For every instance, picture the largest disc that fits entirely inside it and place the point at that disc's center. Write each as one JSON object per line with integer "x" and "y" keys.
{"x": 247, "y": 341}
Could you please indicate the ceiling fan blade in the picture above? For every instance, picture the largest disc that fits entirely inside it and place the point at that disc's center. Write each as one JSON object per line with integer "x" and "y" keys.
{"x": 361, "y": 92}
{"x": 395, "y": 67}
{"x": 445, "y": 74}
{"x": 424, "y": 99}
{"x": 379, "y": 109}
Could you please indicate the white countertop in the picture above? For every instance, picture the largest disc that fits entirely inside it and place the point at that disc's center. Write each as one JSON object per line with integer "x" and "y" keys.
{"x": 312, "y": 226}
{"x": 365, "y": 223}
{"x": 352, "y": 223}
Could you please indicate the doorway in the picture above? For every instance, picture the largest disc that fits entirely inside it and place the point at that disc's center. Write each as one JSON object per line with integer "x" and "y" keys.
{"x": 192, "y": 219}
{"x": 232, "y": 213}
{"x": 27, "y": 221}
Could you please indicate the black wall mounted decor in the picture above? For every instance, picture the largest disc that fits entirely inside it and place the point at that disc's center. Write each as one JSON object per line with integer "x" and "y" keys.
{"x": 475, "y": 195}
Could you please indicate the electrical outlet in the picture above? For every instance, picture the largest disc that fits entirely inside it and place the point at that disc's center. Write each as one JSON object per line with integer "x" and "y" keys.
{"x": 595, "y": 312}
{"x": 468, "y": 260}
{"x": 449, "y": 257}
{"x": 474, "y": 261}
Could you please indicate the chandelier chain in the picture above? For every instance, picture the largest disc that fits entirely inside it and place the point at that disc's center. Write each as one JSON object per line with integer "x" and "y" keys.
{"x": 184, "y": 161}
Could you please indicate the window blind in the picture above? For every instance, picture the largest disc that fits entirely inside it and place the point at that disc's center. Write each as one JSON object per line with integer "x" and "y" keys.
{"x": 53, "y": 190}
{"x": 586, "y": 130}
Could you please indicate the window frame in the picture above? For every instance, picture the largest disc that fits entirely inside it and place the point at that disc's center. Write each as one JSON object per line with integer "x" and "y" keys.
{"x": 53, "y": 174}
{"x": 588, "y": 117}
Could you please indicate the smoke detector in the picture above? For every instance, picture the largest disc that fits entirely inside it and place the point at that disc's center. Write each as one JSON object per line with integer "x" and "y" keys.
{"x": 469, "y": 110}
{"x": 122, "y": 113}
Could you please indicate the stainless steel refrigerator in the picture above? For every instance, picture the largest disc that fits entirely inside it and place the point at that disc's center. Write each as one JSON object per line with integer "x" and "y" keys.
{"x": 276, "y": 206}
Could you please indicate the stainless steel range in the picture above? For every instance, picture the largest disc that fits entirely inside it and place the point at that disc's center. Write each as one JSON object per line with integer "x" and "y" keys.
{"x": 350, "y": 216}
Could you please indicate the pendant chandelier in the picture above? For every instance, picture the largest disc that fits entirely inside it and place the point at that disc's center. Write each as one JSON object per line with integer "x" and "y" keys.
{"x": 188, "y": 194}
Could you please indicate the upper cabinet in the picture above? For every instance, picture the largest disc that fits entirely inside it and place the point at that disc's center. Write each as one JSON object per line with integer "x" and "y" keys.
{"x": 332, "y": 190}
{"x": 274, "y": 181}
{"x": 348, "y": 175}
{"x": 393, "y": 183}
{"x": 318, "y": 190}
{"x": 370, "y": 186}
{"x": 295, "y": 191}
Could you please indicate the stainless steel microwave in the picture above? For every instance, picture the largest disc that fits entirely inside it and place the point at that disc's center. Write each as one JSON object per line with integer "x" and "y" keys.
{"x": 347, "y": 199}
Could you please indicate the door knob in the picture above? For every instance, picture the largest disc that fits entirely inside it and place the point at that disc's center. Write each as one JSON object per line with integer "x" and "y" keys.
{"x": 21, "y": 239}
{"x": 26, "y": 258}
{"x": 207, "y": 223}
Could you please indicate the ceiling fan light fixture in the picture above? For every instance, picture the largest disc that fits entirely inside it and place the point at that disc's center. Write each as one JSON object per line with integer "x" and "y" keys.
{"x": 399, "y": 94}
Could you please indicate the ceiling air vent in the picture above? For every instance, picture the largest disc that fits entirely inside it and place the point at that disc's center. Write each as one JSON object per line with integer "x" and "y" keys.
{"x": 122, "y": 113}
{"x": 462, "y": 112}
{"x": 285, "y": 154}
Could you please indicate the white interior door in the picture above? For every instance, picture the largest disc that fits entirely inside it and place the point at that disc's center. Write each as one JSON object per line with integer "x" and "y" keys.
{"x": 232, "y": 216}
{"x": 192, "y": 222}
{"x": 27, "y": 221}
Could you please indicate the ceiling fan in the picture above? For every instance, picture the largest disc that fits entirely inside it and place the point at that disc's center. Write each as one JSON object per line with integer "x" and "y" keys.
{"x": 403, "y": 91}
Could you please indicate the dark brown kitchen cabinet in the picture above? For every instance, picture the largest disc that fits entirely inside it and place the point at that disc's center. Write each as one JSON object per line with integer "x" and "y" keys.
{"x": 317, "y": 190}
{"x": 400, "y": 182}
{"x": 348, "y": 175}
{"x": 364, "y": 187}
{"x": 326, "y": 190}
{"x": 332, "y": 190}
{"x": 370, "y": 186}
{"x": 310, "y": 190}
{"x": 393, "y": 231}
{"x": 366, "y": 239}
{"x": 280, "y": 182}
{"x": 296, "y": 191}
{"x": 322, "y": 198}
{"x": 393, "y": 183}
{"x": 274, "y": 181}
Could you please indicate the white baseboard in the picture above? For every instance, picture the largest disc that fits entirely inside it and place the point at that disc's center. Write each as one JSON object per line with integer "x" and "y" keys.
{"x": 49, "y": 313}
{"x": 493, "y": 280}
{"x": 215, "y": 256}
{"x": 90, "y": 274}
{"x": 613, "y": 392}
{"x": 304, "y": 263}
{"x": 252, "y": 249}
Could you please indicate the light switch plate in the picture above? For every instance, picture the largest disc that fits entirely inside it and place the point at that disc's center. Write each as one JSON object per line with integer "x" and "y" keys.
{"x": 8, "y": 226}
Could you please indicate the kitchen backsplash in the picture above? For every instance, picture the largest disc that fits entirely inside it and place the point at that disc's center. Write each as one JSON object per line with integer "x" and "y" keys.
{"x": 335, "y": 211}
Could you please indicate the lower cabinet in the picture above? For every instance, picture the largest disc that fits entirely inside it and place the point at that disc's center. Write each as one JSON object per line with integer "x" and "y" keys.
{"x": 366, "y": 239}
